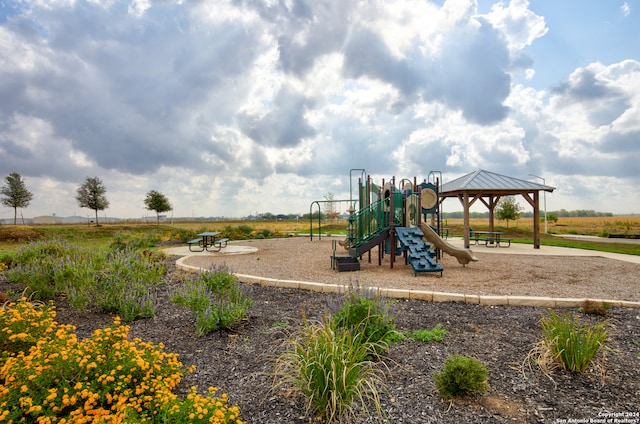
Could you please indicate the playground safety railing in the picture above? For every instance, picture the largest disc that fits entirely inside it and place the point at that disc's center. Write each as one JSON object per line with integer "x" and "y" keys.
{"x": 373, "y": 219}
{"x": 366, "y": 223}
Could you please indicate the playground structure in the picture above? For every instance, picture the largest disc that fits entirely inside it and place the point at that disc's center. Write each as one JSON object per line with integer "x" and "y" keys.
{"x": 392, "y": 216}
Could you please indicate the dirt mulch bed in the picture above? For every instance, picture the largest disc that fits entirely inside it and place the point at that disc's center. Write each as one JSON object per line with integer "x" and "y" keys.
{"x": 239, "y": 361}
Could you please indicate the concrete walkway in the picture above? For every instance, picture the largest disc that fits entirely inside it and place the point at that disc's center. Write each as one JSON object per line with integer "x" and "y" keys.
{"x": 527, "y": 249}
{"x": 514, "y": 249}
{"x": 230, "y": 249}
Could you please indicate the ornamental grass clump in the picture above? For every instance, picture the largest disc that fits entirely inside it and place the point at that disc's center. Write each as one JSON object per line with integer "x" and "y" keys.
{"x": 367, "y": 314}
{"x": 569, "y": 343}
{"x": 47, "y": 375}
{"x": 461, "y": 375}
{"x": 215, "y": 298}
{"x": 329, "y": 368}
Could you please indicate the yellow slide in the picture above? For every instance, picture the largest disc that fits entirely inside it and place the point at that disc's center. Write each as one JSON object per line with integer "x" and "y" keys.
{"x": 463, "y": 255}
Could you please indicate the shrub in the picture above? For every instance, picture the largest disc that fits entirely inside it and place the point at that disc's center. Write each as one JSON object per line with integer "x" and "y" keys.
{"x": 113, "y": 281}
{"x": 264, "y": 234}
{"x": 123, "y": 286}
{"x": 48, "y": 375}
{"x": 37, "y": 265}
{"x": 460, "y": 375}
{"x": 329, "y": 367}
{"x": 366, "y": 312}
{"x": 181, "y": 234}
{"x": 215, "y": 298}
{"x": 595, "y": 307}
{"x": 6, "y": 259}
{"x": 22, "y": 324}
{"x": 571, "y": 344}
{"x": 437, "y": 334}
{"x": 135, "y": 240}
{"x": 244, "y": 231}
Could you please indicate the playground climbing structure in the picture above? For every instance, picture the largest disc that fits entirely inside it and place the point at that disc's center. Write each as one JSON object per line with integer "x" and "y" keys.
{"x": 391, "y": 217}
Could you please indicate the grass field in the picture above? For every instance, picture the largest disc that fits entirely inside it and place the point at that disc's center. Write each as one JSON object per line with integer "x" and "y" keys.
{"x": 12, "y": 237}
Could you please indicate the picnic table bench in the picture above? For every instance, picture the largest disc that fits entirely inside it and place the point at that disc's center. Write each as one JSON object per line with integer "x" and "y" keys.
{"x": 207, "y": 241}
{"x": 218, "y": 244}
{"x": 198, "y": 242}
{"x": 490, "y": 238}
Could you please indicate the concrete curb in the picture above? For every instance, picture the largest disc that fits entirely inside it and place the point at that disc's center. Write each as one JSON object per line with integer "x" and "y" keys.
{"x": 429, "y": 296}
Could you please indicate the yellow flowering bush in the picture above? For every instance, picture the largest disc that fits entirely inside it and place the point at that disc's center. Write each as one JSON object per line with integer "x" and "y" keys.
{"x": 47, "y": 375}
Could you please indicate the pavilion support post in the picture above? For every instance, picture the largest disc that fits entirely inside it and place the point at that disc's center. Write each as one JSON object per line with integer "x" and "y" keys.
{"x": 465, "y": 204}
{"x": 392, "y": 231}
{"x": 536, "y": 219}
{"x": 492, "y": 206}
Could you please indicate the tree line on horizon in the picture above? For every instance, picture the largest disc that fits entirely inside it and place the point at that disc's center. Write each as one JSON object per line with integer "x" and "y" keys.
{"x": 562, "y": 213}
{"x": 90, "y": 194}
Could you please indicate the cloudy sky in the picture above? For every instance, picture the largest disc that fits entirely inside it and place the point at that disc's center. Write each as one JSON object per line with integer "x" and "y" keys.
{"x": 237, "y": 107}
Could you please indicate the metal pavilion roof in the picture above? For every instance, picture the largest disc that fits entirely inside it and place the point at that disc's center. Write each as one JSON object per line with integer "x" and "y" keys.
{"x": 486, "y": 181}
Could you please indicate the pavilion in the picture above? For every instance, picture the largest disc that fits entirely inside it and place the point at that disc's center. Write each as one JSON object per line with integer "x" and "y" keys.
{"x": 489, "y": 188}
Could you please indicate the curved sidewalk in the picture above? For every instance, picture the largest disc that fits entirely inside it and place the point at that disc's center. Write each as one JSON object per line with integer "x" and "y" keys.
{"x": 527, "y": 249}
{"x": 431, "y": 296}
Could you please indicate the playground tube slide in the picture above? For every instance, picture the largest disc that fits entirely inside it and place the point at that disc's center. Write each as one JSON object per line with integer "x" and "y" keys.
{"x": 463, "y": 255}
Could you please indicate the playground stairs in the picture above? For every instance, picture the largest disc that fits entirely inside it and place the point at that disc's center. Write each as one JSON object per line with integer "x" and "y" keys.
{"x": 419, "y": 253}
{"x": 369, "y": 243}
{"x": 346, "y": 263}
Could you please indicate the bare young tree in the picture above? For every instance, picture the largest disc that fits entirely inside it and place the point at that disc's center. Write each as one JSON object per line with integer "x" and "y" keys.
{"x": 15, "y": 194}
{"x": 91, "y": 194}
{"x": 330, "y": 207}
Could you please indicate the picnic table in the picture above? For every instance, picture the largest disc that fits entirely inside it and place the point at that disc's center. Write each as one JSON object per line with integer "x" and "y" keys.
{"x": 491, "y": 238}
{"x": 207, "y": 240}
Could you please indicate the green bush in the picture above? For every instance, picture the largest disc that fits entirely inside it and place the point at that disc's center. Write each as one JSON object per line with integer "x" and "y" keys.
{"x": 241, "y": 232}
{"x": 595, "y": 307}
{"x": 215, "y": 298}
{"x": 44, "y": 266}
{"x": 135, "y": 240}
{"x": 436, "y": 334}
{"x": 124, "y": 286}
{"x": 329, "y": 367}
{"x": 264, "y": 234}
{"x": 182, "y": 234}
{"x": 460, "y": 375}
{"x": 367, "y": 313}
{"x": 572, "y": 344}
{"x": 7, "y": 259}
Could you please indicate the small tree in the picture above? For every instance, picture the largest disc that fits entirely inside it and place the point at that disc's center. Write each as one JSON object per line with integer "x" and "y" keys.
{"x": 91, "y": 194}
{"x": 330, "y": 206}
{"x": 508, "y": 209}
{"x": 156, "y": 201}
{"x": 15, "y": 194}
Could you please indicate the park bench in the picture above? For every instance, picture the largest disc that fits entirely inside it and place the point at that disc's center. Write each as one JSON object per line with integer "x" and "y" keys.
{"x": 196, "y": 241}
